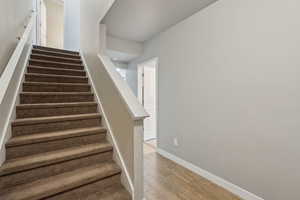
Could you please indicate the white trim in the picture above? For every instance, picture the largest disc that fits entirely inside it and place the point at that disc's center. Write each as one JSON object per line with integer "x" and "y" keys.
{"x": 108, "y": 5}
{"x": 138, "y": 143}
{"x": 156, "y": 59}
{"x": 116, "y": 148}
{"x": 37, "y": 22}
{"x": 6, "y": 131}
{"x": 244, "y": 194}
{"x": 140, "y": 83}
{"x": 5, "y": 80}
{"x": 135, "y": 109}
{"x": 2, "y": 155}
{"x": 102, "y": 38}
{"x": 14, "y": 59}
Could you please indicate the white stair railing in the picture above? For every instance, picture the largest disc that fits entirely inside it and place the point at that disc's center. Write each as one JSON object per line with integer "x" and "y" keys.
{"x": 11, "y": 66}
{"x": 10, "y": 82}
{"x": 122, "y": 114}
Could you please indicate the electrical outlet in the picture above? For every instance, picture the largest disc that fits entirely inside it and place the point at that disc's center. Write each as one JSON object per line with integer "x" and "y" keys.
{"x": 175, "y": 142}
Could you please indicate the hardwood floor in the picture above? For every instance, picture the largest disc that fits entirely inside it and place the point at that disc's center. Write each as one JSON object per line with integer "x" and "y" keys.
{"x": 152, "y": 143}
{"x": 165, "y": 180}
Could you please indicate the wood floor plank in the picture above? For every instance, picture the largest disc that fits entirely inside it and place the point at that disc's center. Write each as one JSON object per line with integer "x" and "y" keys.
{"x": 165, "y": 179}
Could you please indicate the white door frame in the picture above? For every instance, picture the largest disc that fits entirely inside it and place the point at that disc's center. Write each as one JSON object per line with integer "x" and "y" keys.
{"x": 140, "y": 71}
{"x": 38, "y": 30}
{"x": 43, "y": 23}
{"x": 38, "y": 22}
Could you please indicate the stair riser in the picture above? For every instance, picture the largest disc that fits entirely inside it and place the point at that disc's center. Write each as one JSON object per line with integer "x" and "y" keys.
{"x": 56, "y": 88}
{"x": 55, "y": 65}
{"x": 36, "y": 78}
{"x": 55, "y": 72}
{"x": 87, "y": 190}
{"x": 78, "y": 141}
{"x": 32, "y": 99}
{"x": 52, "y": 53}
{"x": 51, "y": 170}
{"x": 56, "y": 59}
{"x": 56, "y": 50}
{"x": 55, "y": 111}
{"x": 31, "y": 149}
{"x": 55, "y": 126}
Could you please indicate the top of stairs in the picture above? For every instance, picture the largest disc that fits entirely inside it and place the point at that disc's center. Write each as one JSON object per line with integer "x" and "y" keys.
{"x": 54, "y": 53}
{"x": 55, "y": 50}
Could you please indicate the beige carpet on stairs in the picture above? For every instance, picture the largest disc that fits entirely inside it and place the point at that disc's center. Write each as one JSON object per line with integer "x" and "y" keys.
{"x": 58, "y": 148}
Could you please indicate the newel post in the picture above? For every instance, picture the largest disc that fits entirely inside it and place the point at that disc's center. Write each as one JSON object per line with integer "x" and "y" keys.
{"x": 138, "y": 160}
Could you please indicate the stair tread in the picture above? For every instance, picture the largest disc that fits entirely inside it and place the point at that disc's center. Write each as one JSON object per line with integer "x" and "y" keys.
{"x": 55, "y": 75}
{"x": 55, "y": 105}
{"x": 37, "y": 120}
{"x": 53, "y": 83}
{"x": 62, "y": 182}
{"x": 54, "y": 62}
{"x": 57, "y": 93}
{"x": 50, "y": 136}
{"x": 114, "y": 192}
{"x": 56, "y": 52}
{"x": 55, "y": 69}
{"x": 67, "y": 150}
{"x": 51, "y": 157}
{"x": 48, "y": 56}
{"x": 55, "y": 49}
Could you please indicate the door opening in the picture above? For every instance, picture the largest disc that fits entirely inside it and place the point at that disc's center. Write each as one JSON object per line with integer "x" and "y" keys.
{"x": 43, "y": 24}
{"x": 147, "y": 95}
{"x": 50, "y": 23}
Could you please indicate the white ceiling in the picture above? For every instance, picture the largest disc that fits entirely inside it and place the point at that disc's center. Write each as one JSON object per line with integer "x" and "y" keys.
{"x": 140, "y": 20}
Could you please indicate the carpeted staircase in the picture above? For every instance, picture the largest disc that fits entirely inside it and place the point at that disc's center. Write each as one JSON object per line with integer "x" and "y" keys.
{"x": 58, "y": 148}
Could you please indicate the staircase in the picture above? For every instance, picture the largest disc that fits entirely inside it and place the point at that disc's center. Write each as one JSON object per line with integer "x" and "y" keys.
{"x": 58, "y": 148}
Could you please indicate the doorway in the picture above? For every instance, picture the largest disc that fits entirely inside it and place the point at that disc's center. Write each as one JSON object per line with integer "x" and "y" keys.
{"x": 148, "y": 95}
{"x": 43, "y": 23}
{"x": 50, "y": 23}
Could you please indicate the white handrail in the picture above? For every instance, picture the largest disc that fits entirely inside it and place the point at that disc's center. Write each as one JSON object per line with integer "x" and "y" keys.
{"x": 135, "y": 109}
{"x": 13, "y": 61}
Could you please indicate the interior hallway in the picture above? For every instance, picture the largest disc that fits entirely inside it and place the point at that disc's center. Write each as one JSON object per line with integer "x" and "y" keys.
{"x": 165, "y": 180}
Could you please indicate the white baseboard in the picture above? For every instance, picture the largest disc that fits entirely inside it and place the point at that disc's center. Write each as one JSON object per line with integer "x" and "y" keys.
{"x": 244, "y": 194}
{"x": 2, "y": 155}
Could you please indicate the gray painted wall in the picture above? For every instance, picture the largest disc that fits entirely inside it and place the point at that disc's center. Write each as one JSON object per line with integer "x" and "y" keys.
{"x": 229, "y": 90}
{"x": 72, "y": 25}
{"x": 13, "y": 16}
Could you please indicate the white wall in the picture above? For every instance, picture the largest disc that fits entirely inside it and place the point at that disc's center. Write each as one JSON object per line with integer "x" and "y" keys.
{"x": 120, "y": 49}
{"x": 125, "y": 46}
{"x": 72, "y": 25}
{"x": 132, "y": 75}
{"x": 120, "y": 65}
{"x": 55, "y": 23}
{"x": 229, "y": 90}
{"x": 13, "y": 16}
{"x": 121, "y": 68}
{"x": 92, "y": 12}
